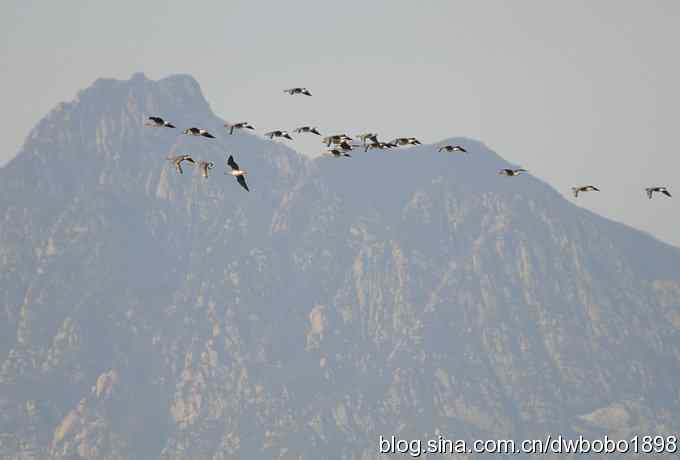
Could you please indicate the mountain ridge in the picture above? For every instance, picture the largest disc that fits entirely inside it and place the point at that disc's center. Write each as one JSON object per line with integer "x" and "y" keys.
{"x": 152, "y": 315}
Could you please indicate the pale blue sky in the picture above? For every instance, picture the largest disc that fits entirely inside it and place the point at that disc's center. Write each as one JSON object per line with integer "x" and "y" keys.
{"x": 578, "y": 92}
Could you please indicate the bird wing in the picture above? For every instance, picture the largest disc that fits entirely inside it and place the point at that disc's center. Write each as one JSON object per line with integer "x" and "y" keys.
{"x": 232, "y": 163}
{"x": 667, "y": 193}
{"x": 242, "y": 180}
{"x": 207, "y": 134}
{"x": 158, "y": 120}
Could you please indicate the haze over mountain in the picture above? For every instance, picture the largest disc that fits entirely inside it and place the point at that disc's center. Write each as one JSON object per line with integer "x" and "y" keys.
{"x": 149, "y": 315}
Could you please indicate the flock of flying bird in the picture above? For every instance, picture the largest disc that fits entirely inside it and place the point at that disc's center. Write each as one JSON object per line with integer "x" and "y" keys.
{"x": 338, "y": 146}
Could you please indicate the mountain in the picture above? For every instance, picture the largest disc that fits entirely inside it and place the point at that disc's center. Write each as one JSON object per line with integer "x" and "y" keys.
{"x": 152, "y": 315}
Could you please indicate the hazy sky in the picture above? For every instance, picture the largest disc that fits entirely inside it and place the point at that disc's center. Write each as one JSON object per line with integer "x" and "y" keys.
{"x": 578, "y": 92}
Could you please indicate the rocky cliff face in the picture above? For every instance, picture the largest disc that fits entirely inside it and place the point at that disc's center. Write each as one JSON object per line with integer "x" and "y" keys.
{"x": 149, "y": 315}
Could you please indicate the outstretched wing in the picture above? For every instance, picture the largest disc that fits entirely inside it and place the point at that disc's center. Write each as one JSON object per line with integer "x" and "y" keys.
{"x": 157, "y": 120}
{"x": 232, "y": 163}
{"x": 667, "y": 193}
{"x": 242, "y": 180}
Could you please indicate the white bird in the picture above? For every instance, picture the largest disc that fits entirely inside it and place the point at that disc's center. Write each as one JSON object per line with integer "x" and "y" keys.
{"x": 205, "y": 166}
{"x": 293, "y": 91}
{"x": 240, "y": 125}
{"x": 650, "y": 191}
{"x": 452, "y": 148}
{"x": 198, "y": 132}
{"x": 158, "y": 122}
{"x": 178, "y": 159}
{"x": 237, "y": 172}
{"x": 584, "y": 188}
{"x": 278, "y": 133}
{"x": 511, "y": 172}
{"x": 307, "y": 129}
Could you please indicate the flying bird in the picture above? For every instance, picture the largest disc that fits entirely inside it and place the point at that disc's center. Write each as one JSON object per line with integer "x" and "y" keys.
{"x": 240, "y": 125}
{"x": 293, "y": 91}
{"x": 198, "y": 132}
{"x": 650, "y": 191}
{"x": 584, "y": 188}
{"x": 308, "y": 129}
{"x": 178, "y": 159}
{"x": 344, "y": 145}
{"x": 335, "y": 139}
{"x": 379, "y": 145}
{"x": 205, "y": 166}
{"x": 237, "y": 172}
{"x": 511, "y": 172}
{"x": 452, "y": 148}
{"x": 158, "y": 122}
{"x": 406, "y": 141}
{"x": 278, "y": 133}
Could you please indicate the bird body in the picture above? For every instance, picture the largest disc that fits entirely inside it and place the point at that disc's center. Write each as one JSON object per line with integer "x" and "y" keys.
{"x": 452, "y": 148}
{"x": 278, "y": 133}
{"x": 178, "y": 159}
{"x": 308, "y": 129}
{"x": 158, "y": 122}
{"x": 237, "y": 172}
{"x": 198, "y": 132}
{"x": 335, "y": 139}
{"x": 584, "y": 188}
{"x": 511, "y": 172}
{"x": 240, "y": 125}
{"x": 406, "y": 141}
{"x": 379, "y": 145}
{"x": 293, "y": 91}
{"x": 651, "y": 190}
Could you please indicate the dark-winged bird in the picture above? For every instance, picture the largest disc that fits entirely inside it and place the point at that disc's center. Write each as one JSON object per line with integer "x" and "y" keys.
{"x": 452, "y": 148}
{"x": 278, "y": 133}
{"x": 198, "y": 132}
{"x": 293, "y": 91}
{"x": 511, "y": 172}
{"x": 158, "y": 122}
{"x": 240, "y": 125}
{"x": 237, "y": 172}
{"x": 307, "y": 129}
{"x": 177, "y": 161}
{"x": 651, "y": 190}
{"x": 584, "y": 188}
